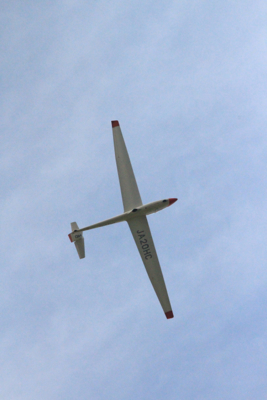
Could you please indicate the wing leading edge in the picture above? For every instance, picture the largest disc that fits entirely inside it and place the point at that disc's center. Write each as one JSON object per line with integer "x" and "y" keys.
{"x": 144, "y": 242}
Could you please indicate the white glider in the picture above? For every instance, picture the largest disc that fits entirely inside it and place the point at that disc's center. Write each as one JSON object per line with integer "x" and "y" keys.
{"x": 135, "y": 215}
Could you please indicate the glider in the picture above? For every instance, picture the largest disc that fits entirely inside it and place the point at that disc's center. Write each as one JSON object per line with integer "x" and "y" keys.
{"x": 135, "y": 215}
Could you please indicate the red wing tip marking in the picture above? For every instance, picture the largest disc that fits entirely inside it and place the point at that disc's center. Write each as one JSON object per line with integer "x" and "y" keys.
{"x": 169, "y": 314}
{"x": 171, "y": 201}
{"x": 115, "y": 123}
{"x": 70, "y": 237}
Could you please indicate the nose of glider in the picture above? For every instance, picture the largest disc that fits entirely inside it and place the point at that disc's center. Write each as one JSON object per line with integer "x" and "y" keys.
{"x": 171, "y": 201}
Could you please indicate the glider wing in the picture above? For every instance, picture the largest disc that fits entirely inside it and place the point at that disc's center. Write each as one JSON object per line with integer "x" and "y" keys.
{"x": 143, "y": 239}
{"x": 129, "y": 190}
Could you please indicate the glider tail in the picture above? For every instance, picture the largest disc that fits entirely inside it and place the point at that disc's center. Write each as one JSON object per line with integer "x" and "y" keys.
{"x": 77, "y": 238}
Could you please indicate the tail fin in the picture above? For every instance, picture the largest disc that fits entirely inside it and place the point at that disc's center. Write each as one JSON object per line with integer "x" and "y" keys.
{"x": 77, "y": 238}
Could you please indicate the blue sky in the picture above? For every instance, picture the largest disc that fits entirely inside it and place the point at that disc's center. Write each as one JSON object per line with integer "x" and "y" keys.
{"x": 187, "y": 81}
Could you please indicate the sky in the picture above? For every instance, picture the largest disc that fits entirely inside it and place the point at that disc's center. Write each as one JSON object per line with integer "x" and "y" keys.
{"x": 187, "y": 82}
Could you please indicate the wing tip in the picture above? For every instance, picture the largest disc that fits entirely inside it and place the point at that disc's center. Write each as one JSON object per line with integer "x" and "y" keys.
{"x": 169, "y": 314}
{"x": 115, "y": 123}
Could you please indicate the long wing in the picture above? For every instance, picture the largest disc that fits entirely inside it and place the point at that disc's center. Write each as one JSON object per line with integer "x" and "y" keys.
{"x": 143, "y": 239}
{"x": 130, "y": 194}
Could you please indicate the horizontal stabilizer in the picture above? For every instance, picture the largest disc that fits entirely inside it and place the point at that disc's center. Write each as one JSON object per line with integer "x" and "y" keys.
{"x": 79, "y": 244}
{"x": 77, "y": 238}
